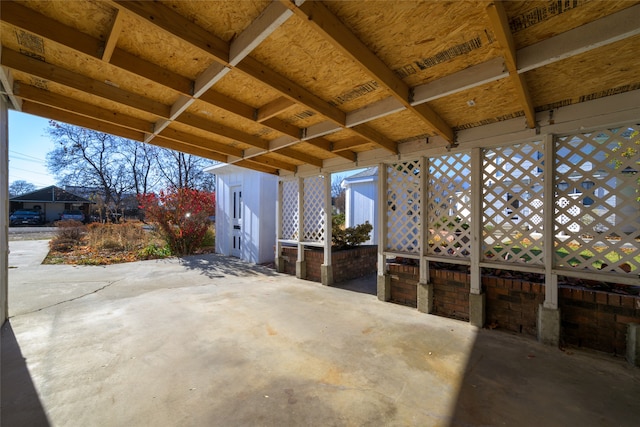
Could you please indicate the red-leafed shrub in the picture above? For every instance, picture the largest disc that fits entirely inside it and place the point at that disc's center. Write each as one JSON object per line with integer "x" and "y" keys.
{"x": 182, "y": 216}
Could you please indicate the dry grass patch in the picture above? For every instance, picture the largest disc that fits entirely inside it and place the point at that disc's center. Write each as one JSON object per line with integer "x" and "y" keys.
{"x": 101, "y": 244}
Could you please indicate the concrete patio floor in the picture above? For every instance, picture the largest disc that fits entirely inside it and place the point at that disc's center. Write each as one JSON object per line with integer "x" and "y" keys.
{"x": 212, "y": 341}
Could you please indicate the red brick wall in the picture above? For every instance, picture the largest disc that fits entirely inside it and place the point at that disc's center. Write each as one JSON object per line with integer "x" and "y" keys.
{"x": 512, "y": 304}
{"x": 450, "y": 293}
{"x": 404, "y": 284}
{"x": 347, "y": 264}
{"x": 597, "y": 319}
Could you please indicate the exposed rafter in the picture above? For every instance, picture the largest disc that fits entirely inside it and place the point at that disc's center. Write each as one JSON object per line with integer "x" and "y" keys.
{"x": 344, "y": 40}
{"x": 75, "y": 93}
{"x": 36, "y": 23}
{"x": 500, "y": 23}
{"x": 77, "y": 81}
{"x": 112, "y": 39}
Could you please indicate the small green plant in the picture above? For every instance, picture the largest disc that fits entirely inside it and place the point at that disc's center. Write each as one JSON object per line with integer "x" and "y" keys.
{"x": 342, "y": 237}
{"x": 153, "y": 251}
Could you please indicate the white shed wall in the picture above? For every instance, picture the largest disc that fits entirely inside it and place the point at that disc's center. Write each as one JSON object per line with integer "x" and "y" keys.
{"x": 258, "y": 226}
{"x": 361, "y": 206}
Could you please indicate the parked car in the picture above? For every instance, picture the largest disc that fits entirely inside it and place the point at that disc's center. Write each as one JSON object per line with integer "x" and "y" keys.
{"x": 26, "y": 217}
{"x": 72, "y": 214}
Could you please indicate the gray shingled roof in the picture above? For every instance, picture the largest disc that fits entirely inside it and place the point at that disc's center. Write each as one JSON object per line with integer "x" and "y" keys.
{"x": 49, "y": 194}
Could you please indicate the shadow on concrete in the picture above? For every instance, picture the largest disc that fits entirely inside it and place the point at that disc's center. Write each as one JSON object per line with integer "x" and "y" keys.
{"x": 17, "y": 391}
{"x": 219, "y": 266}
{"x": 365, "y": 285}
{"x": 512, "y": 380}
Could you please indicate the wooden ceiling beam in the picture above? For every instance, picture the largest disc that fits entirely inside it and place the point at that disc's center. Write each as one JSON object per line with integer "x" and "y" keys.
{"x": 249, "y": 164}
{"x": 222, "y": 130}
{"x": 500, "y": 24}
{"x": 112, "y": 38}
{"x": 37, "y": 68}
{"x": 330, "y": 27}
{"x": 49, "y": 29}
{"x": 78, "y": 120}
{"x": 196, "y": 150}
{"x": 273, "y": 108}
{"x": 277, "y": 164}
{"x": 326, "y": 145}
{"x": 161, "y": 16}
{"x": 61, "y": 102}
{"x": 113, "y": 129}
{"x": 271, "y": 18}
{"x": 297, "y": 155}
{"x": 347, "y": 144}
{"x": 289, "y": 89}
{"x": 198, "y": 141}
{"x": 170, "y": 21}
{"x": 609, "y": 29}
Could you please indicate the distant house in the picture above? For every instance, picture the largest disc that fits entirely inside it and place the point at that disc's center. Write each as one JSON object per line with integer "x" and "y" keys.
{"x": 52, "y": 201}
{"x": 245, "y": 213}
{"x": 361, "y": 200}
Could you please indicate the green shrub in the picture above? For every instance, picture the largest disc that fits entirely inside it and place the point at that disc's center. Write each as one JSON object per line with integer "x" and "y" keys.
{"x": 342, "y": 238}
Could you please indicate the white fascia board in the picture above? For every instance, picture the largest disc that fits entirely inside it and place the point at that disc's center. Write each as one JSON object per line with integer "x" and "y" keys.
{"x": 222, "y": 168}
{"x": 282, "y": 142}
{"x": 262, "y": 27}
{"x": 208, "y": 78}
{"x": 471, "y": 77}
{"x": 180, "y": 106}
{"x": 252, "y": 152}
{"x": 320, "y": 129}
{"x": 610, "y": 29}
{"x": 373, "y": 111}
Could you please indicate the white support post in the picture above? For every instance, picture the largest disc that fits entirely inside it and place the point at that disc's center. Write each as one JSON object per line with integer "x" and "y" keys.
{"x": 301, "y": 270}
{"x": 476, "y": 220}
{"x": 551, "y": 280}
{"x": 425, "y": 289}
{"x": 476, "y": 296}
{"x": 279, "y": 261}
{"x": 384, "y": 281}
{"x": 549, "y": 312}
{"x": 326, "y": 268}
{"x": 4, "y": 211}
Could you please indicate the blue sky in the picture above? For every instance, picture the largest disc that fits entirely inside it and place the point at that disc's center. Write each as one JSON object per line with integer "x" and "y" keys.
{"x": 28, "y": 147}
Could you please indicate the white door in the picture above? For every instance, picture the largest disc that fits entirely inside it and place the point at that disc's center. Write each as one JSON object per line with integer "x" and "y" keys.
{"x": 236, "y": 221}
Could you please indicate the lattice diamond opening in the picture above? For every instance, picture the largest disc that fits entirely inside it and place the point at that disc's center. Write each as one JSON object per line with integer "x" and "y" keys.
{"x": 314, "y": 212}
{"x": 597, "y": 205}
{"x": 290, "y": 214}
{"x": 403, "y": 207}
{"x": 513, "y": 203}
{"x": 449, "y": 205}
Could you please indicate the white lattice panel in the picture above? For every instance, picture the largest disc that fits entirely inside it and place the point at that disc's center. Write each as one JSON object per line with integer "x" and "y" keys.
{"x": 448, "y": 205}
{"x": 597, "y": 207}
{"x": 403, "y": 207}
{"x": 513, "y": 203}
{"x": 314, "y": 212}
{"x": 290, "y": 212}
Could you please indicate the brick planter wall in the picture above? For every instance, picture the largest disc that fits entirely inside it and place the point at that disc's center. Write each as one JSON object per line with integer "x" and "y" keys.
{"x": 512, "y": 304}
{"x": 597, "y": 319}
{"x": 404, "y": 284}
{"x": 450, "y": 293}
{"x": 347, "y": 264}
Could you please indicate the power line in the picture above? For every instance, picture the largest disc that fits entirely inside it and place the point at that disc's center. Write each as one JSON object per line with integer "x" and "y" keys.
{"x": 27, "y": 155}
